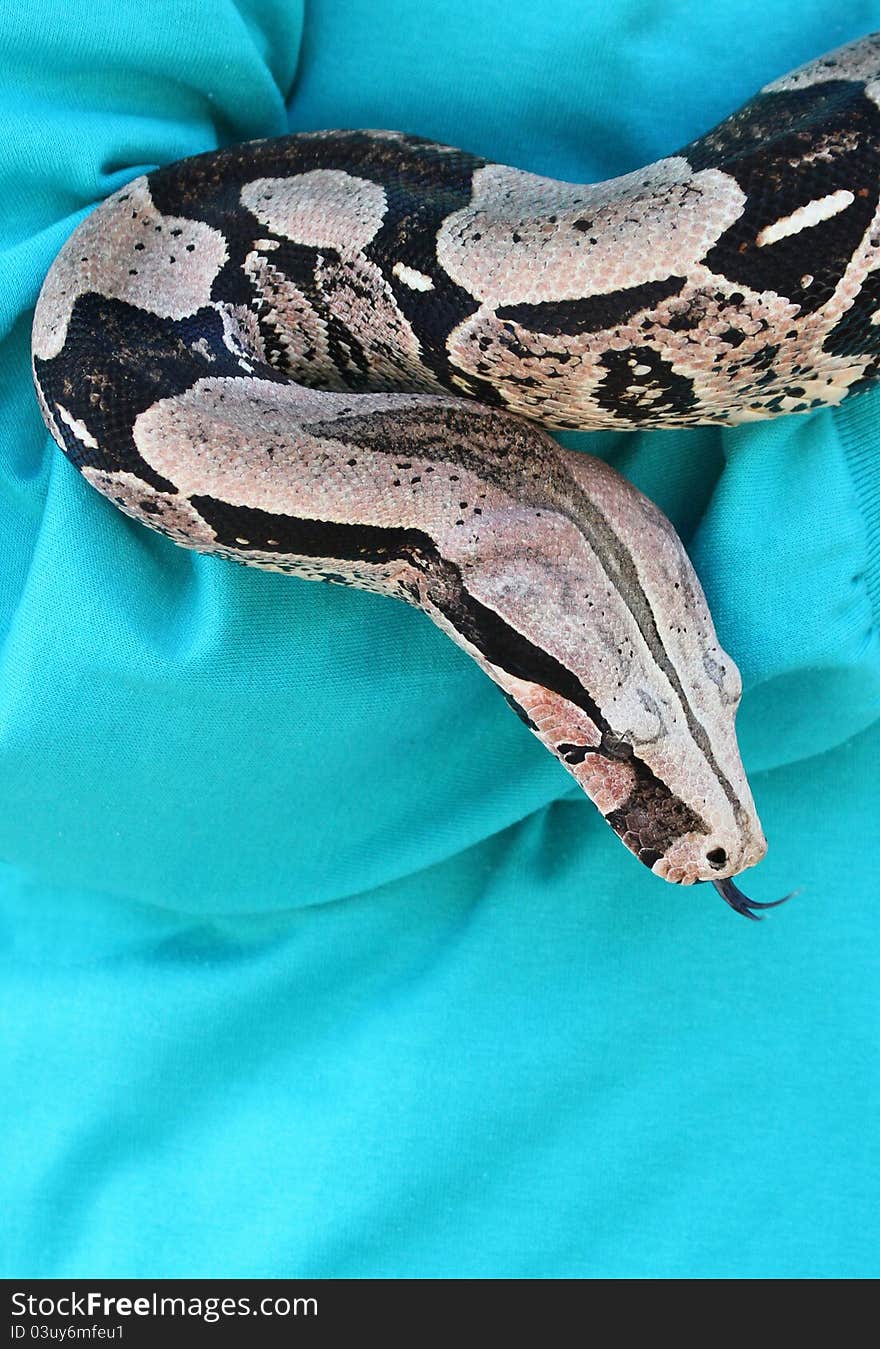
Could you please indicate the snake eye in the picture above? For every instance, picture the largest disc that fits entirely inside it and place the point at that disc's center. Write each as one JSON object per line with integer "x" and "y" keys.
{"x": 717, "y": 857}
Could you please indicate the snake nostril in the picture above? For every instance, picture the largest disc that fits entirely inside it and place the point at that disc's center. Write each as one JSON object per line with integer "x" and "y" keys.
{"x": 717, "y": 857}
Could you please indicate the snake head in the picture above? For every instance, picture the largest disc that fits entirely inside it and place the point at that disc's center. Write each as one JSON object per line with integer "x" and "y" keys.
{"x": 589, "y": 615}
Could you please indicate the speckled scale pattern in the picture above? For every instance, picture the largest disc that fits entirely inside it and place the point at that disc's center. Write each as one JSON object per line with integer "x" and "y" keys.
{"x": 327, "y": 354}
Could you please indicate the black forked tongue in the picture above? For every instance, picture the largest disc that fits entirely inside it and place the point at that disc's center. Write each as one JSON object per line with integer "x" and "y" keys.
{"x": 741, "y": 903}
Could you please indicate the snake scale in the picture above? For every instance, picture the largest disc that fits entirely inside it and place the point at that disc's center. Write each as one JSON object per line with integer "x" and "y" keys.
{"x": 329, "y": 353}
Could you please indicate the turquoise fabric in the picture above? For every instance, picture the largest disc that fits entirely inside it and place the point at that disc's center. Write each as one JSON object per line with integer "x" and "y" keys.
{"x": 314, "y": 962}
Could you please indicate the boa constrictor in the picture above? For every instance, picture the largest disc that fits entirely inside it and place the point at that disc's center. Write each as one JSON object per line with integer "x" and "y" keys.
{"x": 266, "y": 352}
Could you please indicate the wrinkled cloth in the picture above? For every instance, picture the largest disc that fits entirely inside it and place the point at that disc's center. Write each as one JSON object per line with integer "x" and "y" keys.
{"x": 314, "y": 962}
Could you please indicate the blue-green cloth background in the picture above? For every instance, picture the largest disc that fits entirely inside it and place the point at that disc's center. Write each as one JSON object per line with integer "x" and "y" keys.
{"x": 313, "y": 961}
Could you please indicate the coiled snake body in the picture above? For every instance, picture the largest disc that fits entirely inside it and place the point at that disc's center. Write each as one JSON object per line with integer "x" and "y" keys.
{"x": 327, "y": 354}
